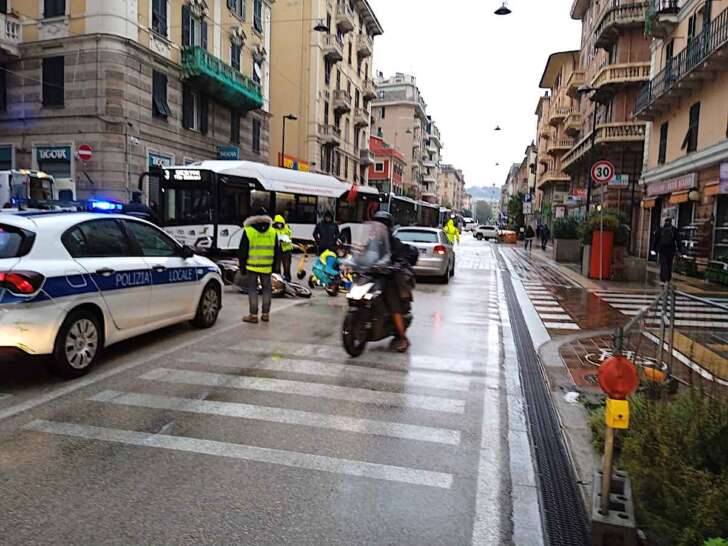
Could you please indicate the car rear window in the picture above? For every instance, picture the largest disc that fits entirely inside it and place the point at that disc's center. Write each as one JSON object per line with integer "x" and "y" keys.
{"x": 416, "y": 236}
{"x": 15, "y": 242}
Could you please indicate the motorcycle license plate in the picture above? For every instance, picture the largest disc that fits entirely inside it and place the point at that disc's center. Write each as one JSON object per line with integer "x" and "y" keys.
{"x": 423, "y": 251}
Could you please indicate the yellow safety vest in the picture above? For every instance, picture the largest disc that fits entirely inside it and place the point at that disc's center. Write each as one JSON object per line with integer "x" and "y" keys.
{"x": 261, "y": 249}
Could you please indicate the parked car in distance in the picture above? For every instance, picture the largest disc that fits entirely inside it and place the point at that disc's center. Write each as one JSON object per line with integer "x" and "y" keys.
{"x": 437, "y": 257}
{"x": 469, "y": 224}
{"x": 486, "y": 232}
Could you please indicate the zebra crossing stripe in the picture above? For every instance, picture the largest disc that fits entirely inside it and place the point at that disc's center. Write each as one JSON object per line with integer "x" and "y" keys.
{"x": 248, "y": 453}
{"x": 284, "y": 386}
{"x": 561, "y": 326}
{"x": 554, "y": 317}
{"x": 341, "y": 371}
{"x": 284, "y": 416}
{"x": 539, "y": 309}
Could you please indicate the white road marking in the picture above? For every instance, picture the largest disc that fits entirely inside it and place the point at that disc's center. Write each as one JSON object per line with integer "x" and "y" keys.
{"x": 555, "y": 309}
{"x": 284, "y": 416}
{"x": 555, "y": 317}
{"x": 561, "y": 326}
{"x": 248, "y": 453}
{"x": 342, "y": 371}
{"x": 85, "y": 382}
{"x": 333, "y": 392}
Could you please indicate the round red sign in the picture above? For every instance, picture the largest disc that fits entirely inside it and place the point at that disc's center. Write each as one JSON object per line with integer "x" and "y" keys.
{"x": 602, "y": 171}
{"x": 618, "y": 377}
{"x": 85, "y": 152}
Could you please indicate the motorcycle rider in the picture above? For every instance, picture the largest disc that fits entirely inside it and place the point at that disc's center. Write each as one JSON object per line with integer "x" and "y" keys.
{"x": 402, "y": 255}
{"x": 285, "y": 238}
{"x": 326, "y": 234}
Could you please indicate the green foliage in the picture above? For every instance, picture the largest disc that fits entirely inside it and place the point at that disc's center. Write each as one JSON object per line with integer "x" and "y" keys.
{"x": 566, "y": 228}
{"x": 515, "y": 209}
{"x": 716, "y": 542}
{"x": 483, "y": 212}
{"x": 676, "y": 452}
{"x": 609, "y": 220}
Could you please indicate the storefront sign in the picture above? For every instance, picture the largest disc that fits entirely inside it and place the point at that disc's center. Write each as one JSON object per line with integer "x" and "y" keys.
{"x": 528, "y": 208}
{"x": 228, "y": 153}
{"x": 619, "y": 181}
{"x": 723, "y": 188}
{"x": 184, "y": 174}
{"x": 289, "y": 162}
{"x": 54, "y": 153}
{"x": 681, "y": 183}
{"x": 160, "y": 160}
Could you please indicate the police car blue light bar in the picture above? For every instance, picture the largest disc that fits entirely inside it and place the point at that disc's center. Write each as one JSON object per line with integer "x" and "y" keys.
{"x": 104, "y": 206}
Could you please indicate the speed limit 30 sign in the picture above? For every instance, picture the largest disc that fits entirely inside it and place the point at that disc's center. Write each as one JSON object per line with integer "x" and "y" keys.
{"x": 602, "y": 171}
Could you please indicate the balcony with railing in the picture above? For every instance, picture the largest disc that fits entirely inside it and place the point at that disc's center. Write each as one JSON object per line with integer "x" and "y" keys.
{"x": 617, "y": 17}
{"x": 560, "y": 146}
{"x": 220, "y": 80}
{"x": 612, "y": 77}
{"x": 705, "y": 54}
{"x": 329, "y": 134}
{"x": 553, "y": 175}
{"x": 619, "y": 135}
{"x": 364, "y": 45}
{"x": 428, "y": 163}
{"x": 572, "y": 124}
{"x": 344, "y": 17}
{"x": 333, "y": 48}
{"x": 361, "y": 117}
{"x": 10, "y": 34}
{"x": 576, "y": 80}
{"x": 663, "y": 18}
{"x": 558, "y": 114}
{"x": 342, "y": 101}
{"x": 366, "y": 157}
{"x": 370, "y": 90}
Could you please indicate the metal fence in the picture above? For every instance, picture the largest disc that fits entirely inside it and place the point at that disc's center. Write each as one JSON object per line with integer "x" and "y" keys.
{"x": 681, "y": 338}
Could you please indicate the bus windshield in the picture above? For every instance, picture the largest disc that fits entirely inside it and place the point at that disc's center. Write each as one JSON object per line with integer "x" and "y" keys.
{"x": 404, "y": 212}
{"x": 187, "y": 204}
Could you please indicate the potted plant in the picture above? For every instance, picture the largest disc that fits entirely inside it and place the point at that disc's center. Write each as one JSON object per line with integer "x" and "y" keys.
{"x": 566, "y": 239}
{"x": 598, "y": 231}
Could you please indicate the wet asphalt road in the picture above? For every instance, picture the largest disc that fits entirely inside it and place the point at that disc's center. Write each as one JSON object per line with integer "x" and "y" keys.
{"x": 270, "y": 434}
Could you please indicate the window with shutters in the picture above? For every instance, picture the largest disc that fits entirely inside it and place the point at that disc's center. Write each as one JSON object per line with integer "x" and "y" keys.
{"x": 159, "y": 17}
{"x": 160, "y": 107}
{"x": 258, "y": 15}
{"x": 194, "y": 110}
{"x": 235, "y": 49}
{"x": 237, "y": 7}
{"x": 3, "y": 89}
{"x": 662, "y": 154}
{"x": 194, "y": 29}
{"x": 257, "y": 72}
{"x": 690, "y": 142}
{"x": 53, "y": 81}
{"x": 235, "y": 127}
{"x": 3, "y": 6}
{"x": 54, "y": 8}
{"x": 256, "y": 136}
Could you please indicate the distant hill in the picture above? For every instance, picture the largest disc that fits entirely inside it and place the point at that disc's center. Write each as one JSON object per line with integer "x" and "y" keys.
{"x": 484, "y": 193}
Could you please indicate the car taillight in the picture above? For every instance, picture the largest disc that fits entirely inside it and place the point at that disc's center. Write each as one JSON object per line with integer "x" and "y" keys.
{"x": 439, "y": 249}
{"x": 21, "y": 282}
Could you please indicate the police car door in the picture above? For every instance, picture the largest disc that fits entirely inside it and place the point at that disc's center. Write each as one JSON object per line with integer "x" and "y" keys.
{"x": 174, "y": 279}
{"x": 103, "y": 249}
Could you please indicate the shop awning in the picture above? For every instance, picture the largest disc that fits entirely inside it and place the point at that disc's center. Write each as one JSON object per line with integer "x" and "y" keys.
{"x": 679, "y": 197}
{"x": 648, "y": 203}
{"x": 711, "y": 189}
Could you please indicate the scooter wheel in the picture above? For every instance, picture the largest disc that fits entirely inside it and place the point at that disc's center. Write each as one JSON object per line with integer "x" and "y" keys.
{"x": 311, "y": 282}
{"x": 354, "y": 333}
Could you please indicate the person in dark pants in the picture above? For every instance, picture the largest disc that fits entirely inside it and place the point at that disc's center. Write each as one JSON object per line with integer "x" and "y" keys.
{"x": 666, "y": 243}
{"x": 326, "y": 234}
{"x": 545, "y": 236}
{"x": 528, "y": 237}
{"x": 260, "y": 255}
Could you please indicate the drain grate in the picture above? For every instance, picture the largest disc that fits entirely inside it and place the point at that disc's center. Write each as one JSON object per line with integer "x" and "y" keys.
{"x": 565, "y": 519}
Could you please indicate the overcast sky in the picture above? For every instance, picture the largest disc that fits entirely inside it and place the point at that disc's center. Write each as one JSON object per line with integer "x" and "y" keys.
{"x": 476, "y": 70}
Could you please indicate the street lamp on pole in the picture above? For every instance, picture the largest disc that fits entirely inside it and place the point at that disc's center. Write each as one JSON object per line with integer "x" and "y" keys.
{"x": 287, "y": 117}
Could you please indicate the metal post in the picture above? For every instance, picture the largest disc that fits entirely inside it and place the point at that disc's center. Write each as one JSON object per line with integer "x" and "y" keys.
{"x": 601, "y": 242}
{"x": 283, "y": 143}
{"x": 663, "y": 316}
{"x": 607, "y": 469}
{"x": 671, "y": 341}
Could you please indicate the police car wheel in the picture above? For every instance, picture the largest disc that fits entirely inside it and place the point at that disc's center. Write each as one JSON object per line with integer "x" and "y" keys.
{"x": 209, "y": 307}
{"x": 78, "y": 344}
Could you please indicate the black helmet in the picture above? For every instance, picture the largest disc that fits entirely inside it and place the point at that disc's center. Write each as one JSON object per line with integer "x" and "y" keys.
{"x": 384, "y": 218}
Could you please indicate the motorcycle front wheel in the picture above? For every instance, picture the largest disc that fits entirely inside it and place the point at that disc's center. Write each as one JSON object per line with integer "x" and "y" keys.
{"x": 354, "y": 333}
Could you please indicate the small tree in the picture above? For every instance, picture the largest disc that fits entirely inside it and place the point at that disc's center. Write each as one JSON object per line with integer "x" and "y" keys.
{"x": 515, "y": 209}
{"x": 483, "y": 212}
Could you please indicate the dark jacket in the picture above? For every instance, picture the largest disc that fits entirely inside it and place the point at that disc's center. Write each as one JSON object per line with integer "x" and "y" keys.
{"x": 140, "y": 210}
{"x": 530, "y": 234}
{"x": 327, "y": 236}
{"x": 261, "y": 224}
{"x": 658, "y": 246}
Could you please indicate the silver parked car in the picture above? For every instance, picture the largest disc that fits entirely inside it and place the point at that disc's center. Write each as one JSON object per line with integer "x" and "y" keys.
{"x": 437, "y": 257}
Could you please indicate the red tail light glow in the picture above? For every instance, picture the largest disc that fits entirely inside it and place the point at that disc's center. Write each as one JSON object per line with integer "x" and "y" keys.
{"x": 21, "y": 282}
{"x": 439, "y": 249}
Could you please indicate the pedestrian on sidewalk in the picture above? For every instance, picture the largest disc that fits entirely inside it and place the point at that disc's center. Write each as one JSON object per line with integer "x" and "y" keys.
{"x": 326, "y": 234}
{"x": 260, "y": 254}
{"x": 666, "y": 243}
{"x": 285, "y": 238}
{"x": 545, "y": 236}
{"x": 528, "y": 237}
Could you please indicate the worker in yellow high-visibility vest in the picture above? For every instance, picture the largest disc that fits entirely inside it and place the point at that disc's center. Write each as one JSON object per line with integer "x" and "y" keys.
{"x": 260, "y": 254}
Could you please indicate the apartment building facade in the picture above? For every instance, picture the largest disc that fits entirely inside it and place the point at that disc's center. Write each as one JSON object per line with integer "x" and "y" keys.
{"x": 686, "y": 103}
{"x": 386, "y": 172}
{"x": 451, "y": 187}
{"x": 322, "y": 57}
{"x": 614, "y": 63}
{"x": 143, "y": 82}
{"x": 431, "y": 162}
{"x": 399, "y": 115}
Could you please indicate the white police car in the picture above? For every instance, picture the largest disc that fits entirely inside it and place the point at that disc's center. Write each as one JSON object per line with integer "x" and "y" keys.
{"x": 72, "y": 283}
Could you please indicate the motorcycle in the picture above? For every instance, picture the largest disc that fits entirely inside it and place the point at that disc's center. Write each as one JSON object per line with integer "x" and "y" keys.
{"x": 281, "y": 288}
{"x": 368, "y": 318}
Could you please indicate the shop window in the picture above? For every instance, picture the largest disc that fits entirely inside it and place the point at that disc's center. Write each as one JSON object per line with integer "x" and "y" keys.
{"x": 160, "y": 107}
{"x": 662, "y": 154}
{"x": 159, "y": 17}
{"x": 690, "y": 142}
{"x": 237, "y": 7}
{"x": 54, "y": 8}
{"x": 194, "y": 29}
{"x": 256, "y": 136}
{"x": 194, "y": 110}
{"x": 235, "y": 127}
{"x": 53, "y": 81}
{"x": 55, "y": 161}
